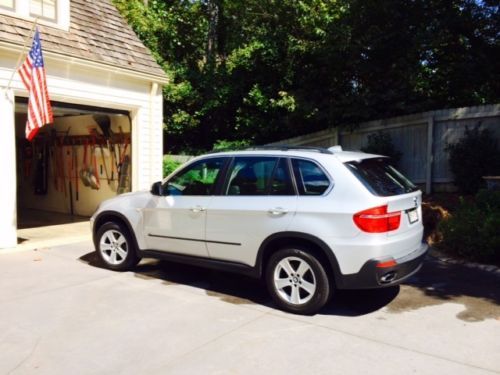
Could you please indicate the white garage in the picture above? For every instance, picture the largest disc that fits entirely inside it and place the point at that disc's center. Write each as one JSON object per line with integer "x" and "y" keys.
{"x": 106, "y": 93}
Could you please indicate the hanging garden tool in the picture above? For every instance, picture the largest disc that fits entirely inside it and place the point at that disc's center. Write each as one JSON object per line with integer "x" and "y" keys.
{"x": 41, "y": 169}
{"x": 59, "y": 168}
{"x": 53, "y": 157}
{"x": 64, "y": 140}
{"x": 104, "y": 123}
{"x": 123, "y": 170}
{"x": 69, "y": 159}
{"x": 123, "y": 184}
{"x": 92, "y": 172}
{"x": 75, "y": 170}
{"x": 103, "y": 165}
{"x": 84, "y": 172}
{"x": 103, "y": 161}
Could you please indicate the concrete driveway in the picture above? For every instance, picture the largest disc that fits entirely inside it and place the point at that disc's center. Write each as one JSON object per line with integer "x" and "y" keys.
{"x": 61, "y": 314}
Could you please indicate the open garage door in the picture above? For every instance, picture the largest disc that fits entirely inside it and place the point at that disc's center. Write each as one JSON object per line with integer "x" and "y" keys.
{"x": 72, "y": 165}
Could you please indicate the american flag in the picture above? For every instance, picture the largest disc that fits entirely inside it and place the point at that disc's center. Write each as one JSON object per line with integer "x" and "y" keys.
{"x": 32, "y": 74}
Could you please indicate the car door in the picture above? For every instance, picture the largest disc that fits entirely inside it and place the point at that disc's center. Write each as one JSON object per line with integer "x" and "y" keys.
{"x": 175, "y": 222}
{"x": 258, "y": 199}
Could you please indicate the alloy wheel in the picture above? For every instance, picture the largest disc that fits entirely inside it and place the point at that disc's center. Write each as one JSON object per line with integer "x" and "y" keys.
{"x": 113, "y": 247}
{"x": 294, "y": 280}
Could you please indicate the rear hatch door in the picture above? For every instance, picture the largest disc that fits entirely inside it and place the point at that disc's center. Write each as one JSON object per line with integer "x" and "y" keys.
{"x": 383, "y": 180}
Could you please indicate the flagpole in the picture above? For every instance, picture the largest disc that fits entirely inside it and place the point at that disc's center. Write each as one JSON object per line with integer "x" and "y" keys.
{"x": 22, "y": 52}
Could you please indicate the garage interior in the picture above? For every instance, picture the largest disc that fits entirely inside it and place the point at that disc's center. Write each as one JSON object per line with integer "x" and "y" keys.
{"x": 70, "y": 166}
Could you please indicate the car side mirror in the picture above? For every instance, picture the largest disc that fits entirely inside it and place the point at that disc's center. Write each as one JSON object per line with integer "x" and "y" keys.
{"x": 156, "y": 188}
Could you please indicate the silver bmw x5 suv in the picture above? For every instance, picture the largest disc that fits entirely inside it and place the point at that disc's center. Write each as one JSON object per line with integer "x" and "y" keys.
{"x": 307, "y": 221}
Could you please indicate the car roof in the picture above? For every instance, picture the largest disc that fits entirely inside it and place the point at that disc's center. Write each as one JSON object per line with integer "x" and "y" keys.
{"x": 342, "y": 156}
{"x": 346, "y": 156}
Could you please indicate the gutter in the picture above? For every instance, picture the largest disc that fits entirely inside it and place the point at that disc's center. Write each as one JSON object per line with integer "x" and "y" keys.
{"x": 73, "y": 60}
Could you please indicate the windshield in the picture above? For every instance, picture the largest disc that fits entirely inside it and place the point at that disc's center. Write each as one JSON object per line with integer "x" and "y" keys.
{"x": 380, "y": 177}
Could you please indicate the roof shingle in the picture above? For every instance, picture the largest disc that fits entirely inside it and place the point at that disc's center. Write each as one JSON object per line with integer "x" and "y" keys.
{"x": 97, "y": 32}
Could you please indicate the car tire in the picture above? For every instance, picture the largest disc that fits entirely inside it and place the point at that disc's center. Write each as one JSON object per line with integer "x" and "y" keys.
{"x": 297, "y": 281}
{"x": 115, "y": 247}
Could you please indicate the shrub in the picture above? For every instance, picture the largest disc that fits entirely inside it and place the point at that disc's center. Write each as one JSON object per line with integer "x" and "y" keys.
{"x": 488, "y": 200}
{"x": 381, "y": 143}
{"x": 169, "y": 165}
{"x": 475, "y": 155}
{"x": 473, "y": 231}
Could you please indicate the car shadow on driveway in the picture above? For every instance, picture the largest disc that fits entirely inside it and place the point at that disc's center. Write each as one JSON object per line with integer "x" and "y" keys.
{"x": 243, "y": 290}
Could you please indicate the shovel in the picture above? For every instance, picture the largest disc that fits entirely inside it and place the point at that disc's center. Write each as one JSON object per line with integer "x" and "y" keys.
{"x": 103, "y": 160}
{"x": 84, "y": 171}
{"x": 92, "y": 172}
{"x": 104, "y": 123}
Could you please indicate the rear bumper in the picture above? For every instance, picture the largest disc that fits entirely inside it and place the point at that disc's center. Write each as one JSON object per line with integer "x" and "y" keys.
{"x": 370, "y": 276}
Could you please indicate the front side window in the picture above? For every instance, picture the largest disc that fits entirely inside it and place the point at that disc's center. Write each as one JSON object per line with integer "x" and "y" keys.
{"x": 43, "y": 8}
{"x": 199, "y": 178}
{"x": 9, "y": 4}
{"x": 311, "y": 180}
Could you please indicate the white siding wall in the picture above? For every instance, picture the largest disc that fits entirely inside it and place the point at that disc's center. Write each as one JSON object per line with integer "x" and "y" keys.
{"x": 156, "y": 162}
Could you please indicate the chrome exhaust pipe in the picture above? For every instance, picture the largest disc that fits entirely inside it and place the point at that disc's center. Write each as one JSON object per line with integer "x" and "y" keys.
{"x": 388, "y": 277}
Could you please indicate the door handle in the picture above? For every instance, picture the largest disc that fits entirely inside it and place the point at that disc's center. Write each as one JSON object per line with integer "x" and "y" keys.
{"x": 197, "y": 209}
{"x": 277, "y": 211}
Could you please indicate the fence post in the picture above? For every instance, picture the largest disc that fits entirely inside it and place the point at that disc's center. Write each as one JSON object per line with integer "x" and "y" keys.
{"x": 430, "y": 155}
{"x": 336, "y": 134}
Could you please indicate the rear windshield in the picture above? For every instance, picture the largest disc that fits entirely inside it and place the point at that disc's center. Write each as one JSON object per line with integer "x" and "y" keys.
{"x": 380, "y": 177}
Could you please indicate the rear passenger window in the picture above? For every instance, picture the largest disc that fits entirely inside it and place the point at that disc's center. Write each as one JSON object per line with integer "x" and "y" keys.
{"x": 282, "y": 181}
{"x": 259, "y": 176}
{"x": 311, "y": 180}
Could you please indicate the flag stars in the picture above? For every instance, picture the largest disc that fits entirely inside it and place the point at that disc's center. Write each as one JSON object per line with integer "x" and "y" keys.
{"x": 36, "y": 52}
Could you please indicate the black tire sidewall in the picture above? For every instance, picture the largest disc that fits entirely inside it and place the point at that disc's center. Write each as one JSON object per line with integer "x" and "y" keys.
{"x": 130, "y": 260}
{"x": 323, "y": 288}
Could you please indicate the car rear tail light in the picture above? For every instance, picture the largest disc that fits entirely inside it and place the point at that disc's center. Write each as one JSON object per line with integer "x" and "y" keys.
{"x": 387, "y": 264}
{"x": 377, "y": 220}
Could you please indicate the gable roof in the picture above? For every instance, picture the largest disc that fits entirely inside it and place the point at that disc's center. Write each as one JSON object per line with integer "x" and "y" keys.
{"x": 97, "y": 33}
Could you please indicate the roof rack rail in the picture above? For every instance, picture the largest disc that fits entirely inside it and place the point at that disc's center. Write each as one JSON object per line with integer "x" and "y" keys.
{"x": 321, "y": 150}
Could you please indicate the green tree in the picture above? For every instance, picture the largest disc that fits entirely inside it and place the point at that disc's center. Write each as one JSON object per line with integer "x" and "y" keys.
{"x": 263, "y": 70}
{"x": 381, "y": 143}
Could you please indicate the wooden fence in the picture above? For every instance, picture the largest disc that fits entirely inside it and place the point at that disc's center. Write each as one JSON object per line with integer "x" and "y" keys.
{"x": 421, "y": 137}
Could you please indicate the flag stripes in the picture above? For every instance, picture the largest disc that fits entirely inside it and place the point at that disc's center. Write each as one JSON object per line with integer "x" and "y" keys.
{"x": 25, "y": 73}
{"x": 33, "y": 76}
